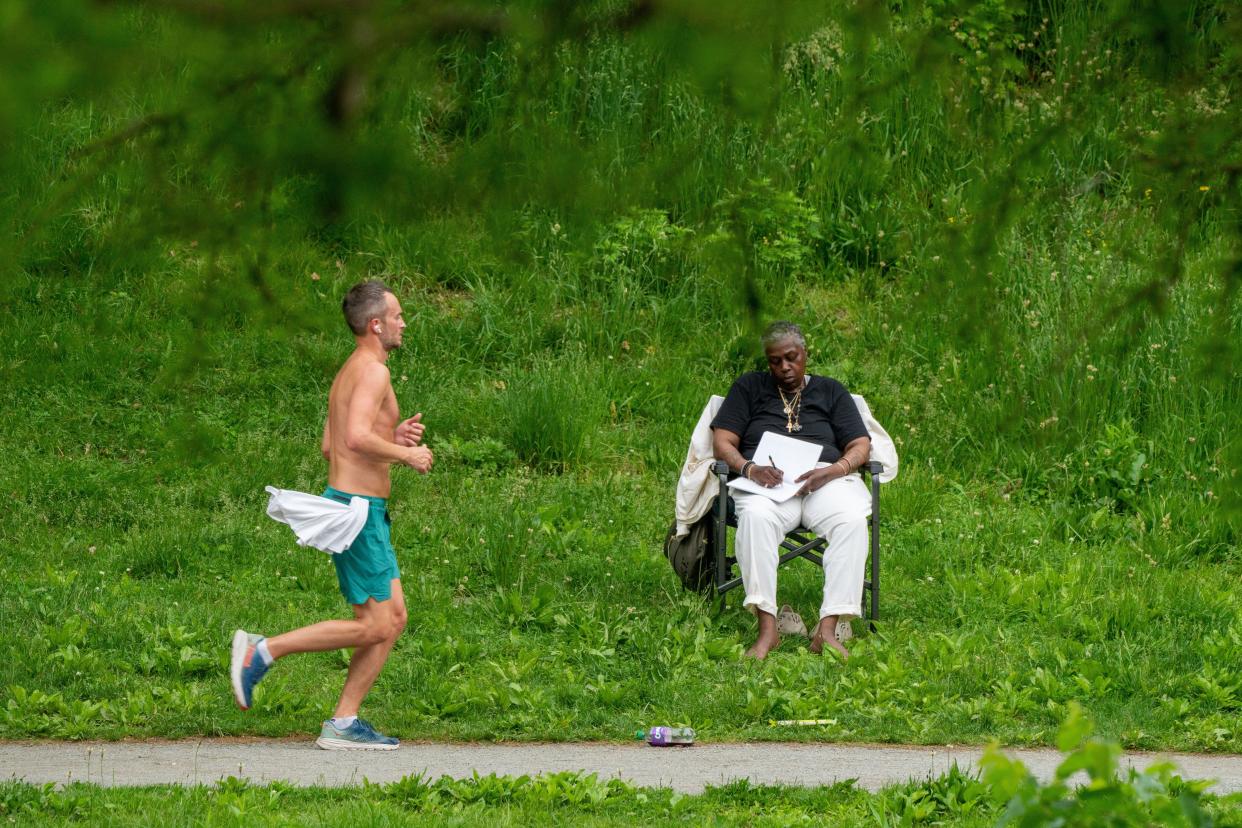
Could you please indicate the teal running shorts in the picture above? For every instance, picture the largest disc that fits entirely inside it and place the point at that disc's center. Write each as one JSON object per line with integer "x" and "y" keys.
{"x": 366, "y": 569}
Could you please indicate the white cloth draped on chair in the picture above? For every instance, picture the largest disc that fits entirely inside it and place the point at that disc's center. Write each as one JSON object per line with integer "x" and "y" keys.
{"x": 698, "y": 487}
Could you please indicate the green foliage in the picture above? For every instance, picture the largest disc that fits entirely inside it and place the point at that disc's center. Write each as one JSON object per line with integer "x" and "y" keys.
{"x": 781, "y": 229}
{"x": 1113, "y": 472}
{"x": 518, "y": 610}
{"x": 484, "y": 454}
{"x": 1152, "y": 796}
{"x": 31, "y": 803}
{"x": 954, "y": 797}
{"x": 642, "y": 252}
{"x": 989, "y": 39}
{"x": 588, "y": 216}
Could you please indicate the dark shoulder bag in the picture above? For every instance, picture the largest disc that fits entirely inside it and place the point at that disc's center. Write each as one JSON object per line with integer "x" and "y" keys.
{"x": 691, "y": 555}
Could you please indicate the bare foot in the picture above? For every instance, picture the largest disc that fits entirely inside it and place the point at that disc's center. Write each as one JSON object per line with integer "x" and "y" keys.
{"x": 760, "y": 649}
{"x": 769, "y": 637}
{"x": 826, "y": 633}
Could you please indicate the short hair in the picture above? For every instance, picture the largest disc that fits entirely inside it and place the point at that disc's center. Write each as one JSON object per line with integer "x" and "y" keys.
{"x": 780, "y": 331}
{"x": 364, "y": 301}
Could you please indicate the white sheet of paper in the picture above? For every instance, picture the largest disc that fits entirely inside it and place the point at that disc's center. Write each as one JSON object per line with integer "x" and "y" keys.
{"x": 792, "y": 456}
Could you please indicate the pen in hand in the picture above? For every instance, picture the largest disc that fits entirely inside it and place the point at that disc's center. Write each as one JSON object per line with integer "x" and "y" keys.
{"x": 773, "y": 462}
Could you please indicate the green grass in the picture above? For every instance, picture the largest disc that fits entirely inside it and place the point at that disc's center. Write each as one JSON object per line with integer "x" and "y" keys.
{"x": 534, "y": 615}
{"x": 559, "y": 799}
{"x": 1030, "y": 280}
{"x": 954, "y": 798}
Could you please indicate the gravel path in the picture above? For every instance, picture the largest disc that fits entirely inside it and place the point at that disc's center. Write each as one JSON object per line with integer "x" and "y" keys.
{"x": 205, "y": 761}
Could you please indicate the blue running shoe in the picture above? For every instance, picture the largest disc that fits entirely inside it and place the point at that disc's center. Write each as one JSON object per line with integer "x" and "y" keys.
{"x": 358, "y": 736}
{"x": 247, "y": 668}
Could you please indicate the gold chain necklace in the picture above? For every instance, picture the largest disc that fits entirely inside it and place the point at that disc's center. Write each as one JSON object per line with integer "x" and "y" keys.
{"x": 793, "y": 410}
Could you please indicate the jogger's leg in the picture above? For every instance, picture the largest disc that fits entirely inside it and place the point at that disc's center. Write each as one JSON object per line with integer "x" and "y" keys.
{"x": 368, "y": 659}
{"x": 365, "y": 629}
{"x": 320, "y": 637}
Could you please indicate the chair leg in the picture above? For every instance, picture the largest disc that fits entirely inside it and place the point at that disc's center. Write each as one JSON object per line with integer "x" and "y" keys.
{"x": 874, "y": 603}
{"x": 720, "y": 543}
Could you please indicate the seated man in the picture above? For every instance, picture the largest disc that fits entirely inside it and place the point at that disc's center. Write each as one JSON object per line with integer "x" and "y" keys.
{"x": 833, "y": 501}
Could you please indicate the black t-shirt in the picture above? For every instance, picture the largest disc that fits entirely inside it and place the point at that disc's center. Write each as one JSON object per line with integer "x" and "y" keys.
{"x": 829, "y": 416}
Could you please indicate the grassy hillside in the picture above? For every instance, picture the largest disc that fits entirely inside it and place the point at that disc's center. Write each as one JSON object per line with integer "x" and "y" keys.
{"x": 1013, "y": 229}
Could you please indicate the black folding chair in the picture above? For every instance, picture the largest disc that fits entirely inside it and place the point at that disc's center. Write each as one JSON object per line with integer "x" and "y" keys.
{"x": 797, "y": 544}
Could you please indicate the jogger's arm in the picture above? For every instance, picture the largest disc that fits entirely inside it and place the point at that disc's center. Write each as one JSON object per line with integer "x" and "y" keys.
{"x": 364, "y": 407}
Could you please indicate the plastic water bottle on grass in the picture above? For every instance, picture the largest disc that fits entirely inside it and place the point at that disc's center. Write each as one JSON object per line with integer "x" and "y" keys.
{"x": 665, "y": 736}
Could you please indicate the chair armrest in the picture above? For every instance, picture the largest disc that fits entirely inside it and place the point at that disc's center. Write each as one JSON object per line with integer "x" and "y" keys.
{"x": 720, "y": 467}
{"x": 875, "y": 466}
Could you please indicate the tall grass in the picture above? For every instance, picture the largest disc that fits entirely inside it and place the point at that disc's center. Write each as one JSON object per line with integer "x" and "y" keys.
{"x": 551, "y": 412}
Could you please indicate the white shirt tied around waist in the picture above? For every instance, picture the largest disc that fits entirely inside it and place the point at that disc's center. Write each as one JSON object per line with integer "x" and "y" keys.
{"x": 319, "y": 522}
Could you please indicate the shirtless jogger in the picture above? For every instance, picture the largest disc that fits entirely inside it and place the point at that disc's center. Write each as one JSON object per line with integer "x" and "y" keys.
{"x": 362, "y": 437}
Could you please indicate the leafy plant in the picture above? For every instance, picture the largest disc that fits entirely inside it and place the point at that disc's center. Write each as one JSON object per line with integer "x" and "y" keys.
{"x": 1114, "y": 471}
{"x": 536, "y": 608}
{"x": 781, "y": 229}
{"x": 1152, "y": 796}
{"x": 642, "y": 252}
{"x": 989, "y": 38}
{"x": 485, "y": 454}
{"x": 952, "y": 796}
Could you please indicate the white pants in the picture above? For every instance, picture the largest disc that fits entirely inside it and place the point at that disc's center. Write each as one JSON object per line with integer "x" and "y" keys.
{"x": 836, "y": 511}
